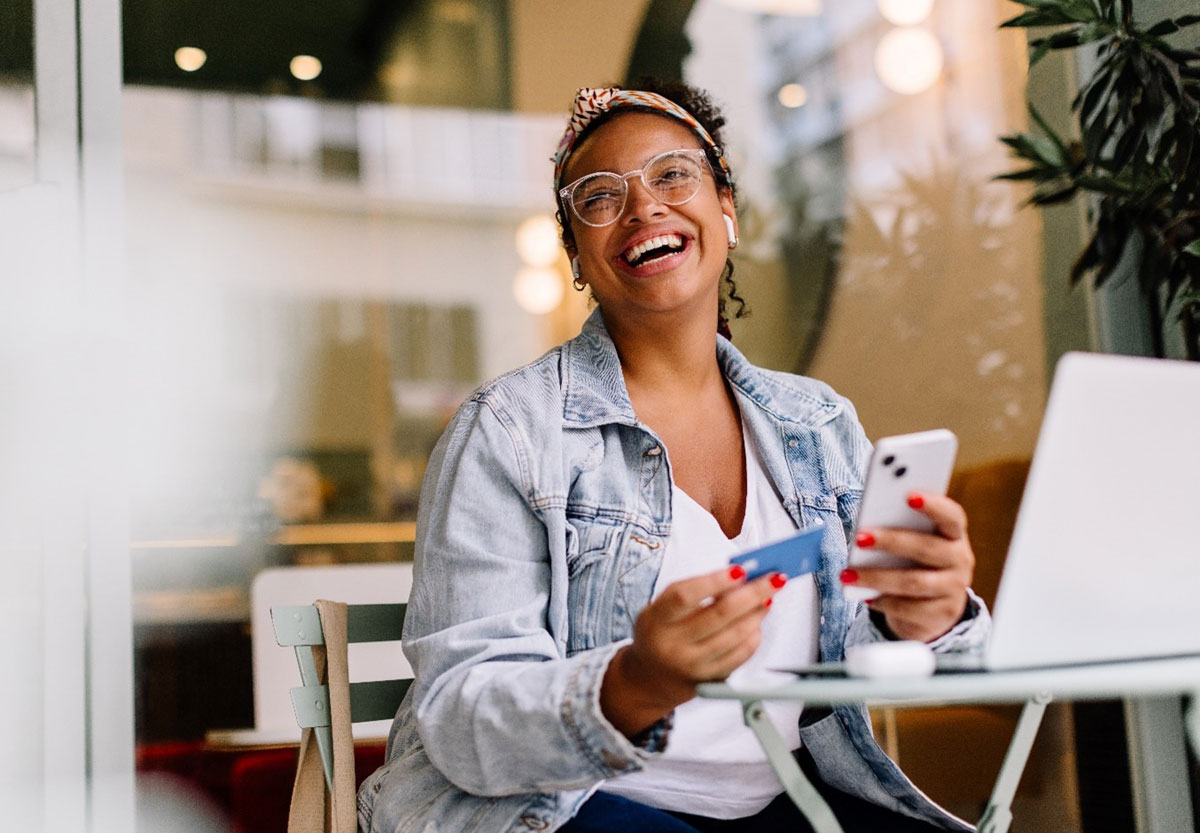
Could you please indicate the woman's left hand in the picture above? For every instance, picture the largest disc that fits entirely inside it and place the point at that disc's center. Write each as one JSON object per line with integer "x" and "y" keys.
{"x": 924, "y": 601}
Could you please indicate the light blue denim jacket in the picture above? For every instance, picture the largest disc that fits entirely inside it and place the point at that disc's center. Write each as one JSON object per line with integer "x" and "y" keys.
{"x": 540, "y": 535}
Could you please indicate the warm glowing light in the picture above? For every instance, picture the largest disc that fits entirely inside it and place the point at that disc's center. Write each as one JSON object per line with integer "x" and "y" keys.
{"x": 537, "y": 240}
{"x": 793, "y": 95}
{"x": 190, "y": 58}
{"x": 798, "y": 8}
{"x": 538, "y": 289}
{"x": 305, "y": 67}
{"x": 908, "y": 60}
{"x": 905, "y": 12}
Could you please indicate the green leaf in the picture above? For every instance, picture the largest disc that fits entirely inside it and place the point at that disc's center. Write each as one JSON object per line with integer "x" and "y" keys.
{"x": 1027, "y": 174}
{"x": 1080, "y": 10}
{"x": 1050, "y": 134}
{"x": 1170, "y": 71}
{"x": 1104, "y": 185}
{"x": 1047, "y": 5}
{"x": 1063, "y": 40}
{"x": 1169, "y": 27}
{"x": 1193, "y": 248}
{"x": 1049, "y": 151}
{"x": 1036, "y": 18}
{"x": 1054, "y": 196}
{"x": 1040, "y": 50}
{"x": 1093, "y": 99}
{"x": 1088, "y": 259}
{"x": 1090, "y": 32}
{"x": 1183, "y": 56}
{"x": 1036, "y": 149}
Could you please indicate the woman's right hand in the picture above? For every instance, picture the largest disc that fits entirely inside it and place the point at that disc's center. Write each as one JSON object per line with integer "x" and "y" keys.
{"x": 697, "y": 630}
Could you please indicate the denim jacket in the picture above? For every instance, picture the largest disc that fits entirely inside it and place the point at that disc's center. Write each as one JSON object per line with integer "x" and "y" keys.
{"x": 540, "y": 534}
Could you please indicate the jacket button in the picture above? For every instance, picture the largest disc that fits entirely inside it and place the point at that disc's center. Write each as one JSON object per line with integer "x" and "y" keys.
{"x": 534, "y": 823}
{"x": 654, "y": 451}
{"x": 793, "y": 443}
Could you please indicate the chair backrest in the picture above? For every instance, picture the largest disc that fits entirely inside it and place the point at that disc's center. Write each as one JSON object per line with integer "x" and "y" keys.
{"x": 299, "y": 627}
{"x": 275, "y": 667}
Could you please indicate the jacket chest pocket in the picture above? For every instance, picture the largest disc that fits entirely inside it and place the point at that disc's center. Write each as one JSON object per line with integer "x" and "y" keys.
{"x": 611, "y": 568}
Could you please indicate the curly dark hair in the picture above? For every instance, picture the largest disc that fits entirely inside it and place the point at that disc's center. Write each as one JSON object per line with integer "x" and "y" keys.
{"x": 700, "y": 104}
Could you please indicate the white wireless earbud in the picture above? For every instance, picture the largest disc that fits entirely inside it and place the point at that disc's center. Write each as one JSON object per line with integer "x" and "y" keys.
{"x": 729, "y": 229}
{"x": 575, "y": 270}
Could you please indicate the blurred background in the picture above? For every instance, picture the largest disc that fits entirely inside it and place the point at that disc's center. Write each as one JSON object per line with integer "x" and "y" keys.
{"x": 254, "y": 255}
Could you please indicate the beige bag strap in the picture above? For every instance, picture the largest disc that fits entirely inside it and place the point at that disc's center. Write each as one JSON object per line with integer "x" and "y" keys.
{"x": 311, "y": 811}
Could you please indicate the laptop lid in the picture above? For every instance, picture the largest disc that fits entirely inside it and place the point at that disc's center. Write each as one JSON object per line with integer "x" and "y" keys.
{"x": 1105, "y": 557}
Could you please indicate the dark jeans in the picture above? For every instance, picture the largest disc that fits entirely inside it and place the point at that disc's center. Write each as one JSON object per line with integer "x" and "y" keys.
{"x": 604, "y": 813}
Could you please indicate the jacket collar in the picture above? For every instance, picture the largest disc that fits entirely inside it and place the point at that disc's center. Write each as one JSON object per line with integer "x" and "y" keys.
{"x": 594, "y": 391}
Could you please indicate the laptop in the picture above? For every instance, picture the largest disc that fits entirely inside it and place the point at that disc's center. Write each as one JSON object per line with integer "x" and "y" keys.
{"x": 1104, "y": 562}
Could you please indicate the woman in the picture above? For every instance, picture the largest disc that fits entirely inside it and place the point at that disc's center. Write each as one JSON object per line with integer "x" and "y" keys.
{"x": 572, "y": 578}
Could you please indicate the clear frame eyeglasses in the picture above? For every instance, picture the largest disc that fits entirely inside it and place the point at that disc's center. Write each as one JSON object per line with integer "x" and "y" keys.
{"x": 672, "y": 177}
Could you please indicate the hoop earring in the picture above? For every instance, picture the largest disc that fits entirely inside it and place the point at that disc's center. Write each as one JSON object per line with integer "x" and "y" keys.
{"x": 729, "y": 230}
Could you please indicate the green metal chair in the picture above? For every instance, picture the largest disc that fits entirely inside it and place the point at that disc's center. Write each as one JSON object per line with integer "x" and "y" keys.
{"x": 299, "y": 627}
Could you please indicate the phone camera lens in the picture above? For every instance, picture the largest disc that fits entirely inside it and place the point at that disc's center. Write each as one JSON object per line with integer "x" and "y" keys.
{"x": 888, "y": 460}
{"x": 900, "y": 472}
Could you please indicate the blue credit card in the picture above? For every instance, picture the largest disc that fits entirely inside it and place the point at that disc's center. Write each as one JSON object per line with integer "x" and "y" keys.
{"x": 793, "y": 556}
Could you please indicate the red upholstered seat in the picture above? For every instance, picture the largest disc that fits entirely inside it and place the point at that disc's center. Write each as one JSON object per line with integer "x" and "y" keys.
{"x": 261, "y": 785}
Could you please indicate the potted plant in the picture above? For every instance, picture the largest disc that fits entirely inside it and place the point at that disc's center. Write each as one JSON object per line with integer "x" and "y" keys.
{"x": 1138, "y": 153}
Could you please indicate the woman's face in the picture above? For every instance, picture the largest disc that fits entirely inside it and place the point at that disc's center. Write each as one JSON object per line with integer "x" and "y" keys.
{"x": 683, "y": 282}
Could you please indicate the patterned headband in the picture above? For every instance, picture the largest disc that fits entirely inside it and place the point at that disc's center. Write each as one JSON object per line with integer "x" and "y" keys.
{"x": 591, "y": 103}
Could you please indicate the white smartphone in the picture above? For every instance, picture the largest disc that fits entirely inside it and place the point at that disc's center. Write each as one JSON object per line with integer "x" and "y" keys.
{"x": 900, "y": 465}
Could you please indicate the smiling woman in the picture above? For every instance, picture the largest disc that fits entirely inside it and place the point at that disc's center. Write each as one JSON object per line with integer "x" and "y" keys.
{"x": 667, "y": 223}
{"x": 572, "y": 578}
{"x": 671, "y": 178}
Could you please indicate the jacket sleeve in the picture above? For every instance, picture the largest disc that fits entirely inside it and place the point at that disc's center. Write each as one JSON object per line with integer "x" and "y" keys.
{"x": 969, "y": 636}
{"x": 498, "y": 707}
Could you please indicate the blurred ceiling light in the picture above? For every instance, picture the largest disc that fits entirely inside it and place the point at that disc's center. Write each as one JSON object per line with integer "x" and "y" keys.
{"x": 305, "y": 67}
{"x": 798, "y": 8}
{"x": 537, "y": 240}
{"x": 190, "y": 58}
{"x": 538, "y": 289}
{"x": 905, "y": 12}
{"x": 793, "y": 95}
{"x": 908, "y": 60}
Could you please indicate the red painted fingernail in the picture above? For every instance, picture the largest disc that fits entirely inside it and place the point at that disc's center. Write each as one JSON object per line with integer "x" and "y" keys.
{"x": 849, "y": 576}
{"x": 767, "y": 602}
{"x": 869, "y": 601}
{"x": 864, "y": 540}
{"x": 778, "y": 580}
{"x": 736, "y": 572}
{"x": 916, "y": 501}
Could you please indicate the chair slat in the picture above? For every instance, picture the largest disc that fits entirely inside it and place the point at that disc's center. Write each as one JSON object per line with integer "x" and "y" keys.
{"x": 375, "y": 623}
{"x": 376, "y": 700}
{"x": 373, "y": 700}
{"x": 299, "y": 626}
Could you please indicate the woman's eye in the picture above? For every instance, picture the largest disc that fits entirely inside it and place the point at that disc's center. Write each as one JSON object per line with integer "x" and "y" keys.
{"x": 595, "y": 198}
{"x": 673, "y": 175}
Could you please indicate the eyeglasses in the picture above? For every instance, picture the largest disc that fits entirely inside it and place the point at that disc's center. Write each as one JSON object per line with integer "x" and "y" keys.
{"x": 672, "y": 178}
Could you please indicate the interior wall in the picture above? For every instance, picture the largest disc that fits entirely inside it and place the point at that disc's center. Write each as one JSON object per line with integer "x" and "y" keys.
{"x": 558, "y": 47}
{"x": 936, "y": 318}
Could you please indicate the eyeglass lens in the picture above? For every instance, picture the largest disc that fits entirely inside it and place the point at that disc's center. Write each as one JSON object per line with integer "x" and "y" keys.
{"x": 672, "y": 178}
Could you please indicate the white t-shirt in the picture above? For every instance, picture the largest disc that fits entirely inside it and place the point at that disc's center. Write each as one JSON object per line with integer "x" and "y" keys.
{"x": 713, "y": 765}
